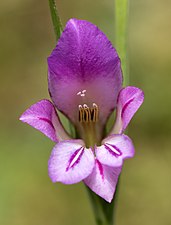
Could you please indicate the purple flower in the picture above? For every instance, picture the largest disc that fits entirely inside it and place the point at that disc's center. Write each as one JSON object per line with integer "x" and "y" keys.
{"x": 85, "y": 84}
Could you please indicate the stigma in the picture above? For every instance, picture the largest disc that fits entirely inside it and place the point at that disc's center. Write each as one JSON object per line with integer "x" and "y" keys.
{"x": 87, "y": 114}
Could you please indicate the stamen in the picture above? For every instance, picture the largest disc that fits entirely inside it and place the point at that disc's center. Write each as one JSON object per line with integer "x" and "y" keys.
{"x": 87, "y": 114}
{"x": 81, "y": 111}
{"x": 96, "y": 112}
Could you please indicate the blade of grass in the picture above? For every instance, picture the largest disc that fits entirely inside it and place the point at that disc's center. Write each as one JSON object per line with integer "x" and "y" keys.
{"x": 57, "y": 25}
{"x": 121, "y": 20}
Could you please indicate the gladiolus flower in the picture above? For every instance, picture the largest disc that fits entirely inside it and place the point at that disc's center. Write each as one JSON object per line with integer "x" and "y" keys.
{"x": 85, "y": 84}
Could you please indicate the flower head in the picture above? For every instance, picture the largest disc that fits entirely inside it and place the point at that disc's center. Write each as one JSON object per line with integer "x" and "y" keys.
{"x": 85, "y": 84}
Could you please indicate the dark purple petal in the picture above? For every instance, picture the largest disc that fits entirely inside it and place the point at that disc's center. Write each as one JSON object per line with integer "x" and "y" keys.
{"x": 70, "y": 162}
{"x": 103, "y": 180}
{"x": 43, "y": 117}
{"x": 129, "y": 101}
{"x": 114, "y": 150}
{"x": 84, "y": 68}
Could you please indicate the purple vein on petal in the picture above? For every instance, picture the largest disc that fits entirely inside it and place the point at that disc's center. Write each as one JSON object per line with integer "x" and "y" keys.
{"x": 115, "y": 152}
{"x": 75, "y": 158}
{"x": 125, "y": 106}
{"x": 100, "y": 167}
{"x": 47, "y": 120}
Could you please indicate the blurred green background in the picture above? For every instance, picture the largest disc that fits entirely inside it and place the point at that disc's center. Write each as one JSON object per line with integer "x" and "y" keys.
{"x": 27, "y": 196}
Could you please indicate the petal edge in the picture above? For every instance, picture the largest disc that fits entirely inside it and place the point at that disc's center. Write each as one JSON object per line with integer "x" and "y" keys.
{"x": 103, "y": 180}
{"x": 114, "y": 150}
{"x": 43, "y": 116}
{"x": 129, "y": 100}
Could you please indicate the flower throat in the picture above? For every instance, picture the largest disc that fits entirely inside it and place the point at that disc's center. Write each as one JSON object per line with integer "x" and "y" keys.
{"x": 88, "y": 118}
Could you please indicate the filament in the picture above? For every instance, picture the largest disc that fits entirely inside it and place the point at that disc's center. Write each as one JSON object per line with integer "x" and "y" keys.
{"x": 87, "y": 114}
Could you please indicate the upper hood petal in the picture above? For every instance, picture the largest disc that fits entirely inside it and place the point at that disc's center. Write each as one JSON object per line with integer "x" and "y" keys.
{"x": 43, "y": 116}
{"x": 84, "y": 60}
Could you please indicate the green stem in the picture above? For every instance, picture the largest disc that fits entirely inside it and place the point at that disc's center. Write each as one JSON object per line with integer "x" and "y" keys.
{"x": 97, "y": 204}
{"x": 103, "y": 211}
{"x": 121, "y": 15}
{"x": 57, "y": 25}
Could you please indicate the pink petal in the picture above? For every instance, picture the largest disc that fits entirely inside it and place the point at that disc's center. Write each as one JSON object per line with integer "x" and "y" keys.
{"x": 103, "y": 180}
{"x": 44, "y": 118}
{"x": 114, "y": 150}
{"x": 129, "y": 101}
{"x": 70, "y": 162}
{"x": 84, "y": 68}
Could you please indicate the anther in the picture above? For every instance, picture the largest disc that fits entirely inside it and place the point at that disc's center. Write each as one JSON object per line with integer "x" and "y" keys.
{"x": 79, "y": 93}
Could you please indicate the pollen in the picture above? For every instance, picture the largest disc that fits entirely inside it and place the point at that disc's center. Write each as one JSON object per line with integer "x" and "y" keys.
{"x": 87, "y": 114}
{"x": 82, "y": 93}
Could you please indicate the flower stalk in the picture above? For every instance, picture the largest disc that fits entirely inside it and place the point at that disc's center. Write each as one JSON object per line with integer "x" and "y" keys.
{"x": 121, "y": 21}
{"x": 103, "y": 211}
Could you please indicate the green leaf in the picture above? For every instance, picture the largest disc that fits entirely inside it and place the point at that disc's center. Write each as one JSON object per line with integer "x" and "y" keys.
{"x": 121, "y": 19}
{"x": 57, "y": 25}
